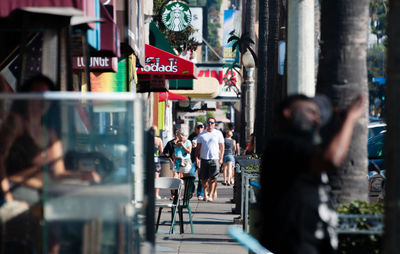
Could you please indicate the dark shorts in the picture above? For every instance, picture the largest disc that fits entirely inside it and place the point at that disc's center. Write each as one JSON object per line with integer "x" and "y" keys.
{"x": 158, "y": 167}
{"x": 208, "y": 169}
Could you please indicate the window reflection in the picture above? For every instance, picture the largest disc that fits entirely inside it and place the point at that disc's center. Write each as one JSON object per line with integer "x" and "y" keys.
{"x": 66, "y": 175}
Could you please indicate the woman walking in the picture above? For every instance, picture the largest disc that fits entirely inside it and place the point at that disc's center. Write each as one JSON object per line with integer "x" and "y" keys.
{"x": 229, "y": 160}
{"x": 183, "y": 148}
{"x": 158, "y": 149}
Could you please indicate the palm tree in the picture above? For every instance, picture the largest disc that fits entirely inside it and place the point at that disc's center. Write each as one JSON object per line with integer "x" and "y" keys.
{"x": 267, "y": 68}
{"x": 342, "y": 76}
{"x": 272, "y": 60}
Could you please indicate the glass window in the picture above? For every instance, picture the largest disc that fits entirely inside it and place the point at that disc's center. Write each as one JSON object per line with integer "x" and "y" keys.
{"x": 376, "y": 146}
{"x": 69, "y": 159}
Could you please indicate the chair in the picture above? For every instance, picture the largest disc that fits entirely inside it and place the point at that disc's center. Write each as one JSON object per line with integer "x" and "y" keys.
{"x": 188, "y": 193}
{"x": 172, "y": 184}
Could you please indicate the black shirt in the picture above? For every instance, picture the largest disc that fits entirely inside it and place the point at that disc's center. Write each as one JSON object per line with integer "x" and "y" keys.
{"x": 291, "y": 198}
{"x": 169, "y": 149}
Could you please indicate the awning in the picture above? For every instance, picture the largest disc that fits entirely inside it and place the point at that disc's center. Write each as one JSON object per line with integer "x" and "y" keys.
{"x": 202, "y": 88}
{"x": 158, "y": 40}
{"x": 167, "y": 65}
{"x": 51, "y": 7}
{"x": 171, "y": 96}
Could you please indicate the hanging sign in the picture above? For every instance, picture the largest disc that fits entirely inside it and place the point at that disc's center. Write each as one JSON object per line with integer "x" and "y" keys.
{"x": 167, "y": 65}
{"x": 96, "y": 63}
{"x": 176, "y": 16}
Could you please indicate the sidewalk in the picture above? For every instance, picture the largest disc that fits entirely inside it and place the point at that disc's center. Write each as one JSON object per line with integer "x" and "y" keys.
{"x": 210, "y": 224}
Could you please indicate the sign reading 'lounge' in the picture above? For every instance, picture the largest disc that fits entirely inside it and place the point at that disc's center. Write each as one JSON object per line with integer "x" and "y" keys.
{"x": 97, "y": 63}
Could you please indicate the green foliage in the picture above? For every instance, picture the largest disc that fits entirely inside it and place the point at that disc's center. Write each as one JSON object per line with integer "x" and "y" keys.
{"x": 253, "y": 167}
{"x": 375, "y": 62}
{"x": 361, "y": 243}
{"x": 179, "y": 40}
{"x": 213, "y": 25}
{"x": 200, "y": 119}
{"x": 209, "y": 114}
{"x": 361, "y": 207}
{"x": 242, "y": 43}
{"x": 378, "y": 15}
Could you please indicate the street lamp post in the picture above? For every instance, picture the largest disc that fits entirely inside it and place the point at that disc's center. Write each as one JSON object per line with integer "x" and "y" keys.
{"x": 248, "y": 62}
{"x": 248, "y": 100}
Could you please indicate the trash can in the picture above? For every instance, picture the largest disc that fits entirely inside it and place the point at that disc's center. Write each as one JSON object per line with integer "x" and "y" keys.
{"x": 166, "y": 170}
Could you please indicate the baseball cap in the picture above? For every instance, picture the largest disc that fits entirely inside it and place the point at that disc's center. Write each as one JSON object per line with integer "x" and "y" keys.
{"x": 199, "y": 124}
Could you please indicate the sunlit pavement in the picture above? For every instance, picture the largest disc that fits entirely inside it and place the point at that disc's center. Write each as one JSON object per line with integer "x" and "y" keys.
{"x": 210, "y": 223}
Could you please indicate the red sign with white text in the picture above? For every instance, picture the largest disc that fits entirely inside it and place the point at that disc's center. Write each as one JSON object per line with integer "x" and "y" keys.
{"x": 160, "y": 62}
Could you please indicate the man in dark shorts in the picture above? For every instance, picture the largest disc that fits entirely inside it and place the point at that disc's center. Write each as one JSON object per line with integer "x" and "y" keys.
{"x": 297, "y": 215}
{"x": 209, "y": 155}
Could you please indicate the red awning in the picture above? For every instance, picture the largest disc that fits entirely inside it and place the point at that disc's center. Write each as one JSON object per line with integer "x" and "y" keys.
{"x": 169, "y": 66}
{"x": 171, "y": 96}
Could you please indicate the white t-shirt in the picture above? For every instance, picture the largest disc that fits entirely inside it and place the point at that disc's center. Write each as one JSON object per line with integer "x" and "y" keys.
{"x": 210, "y": 144}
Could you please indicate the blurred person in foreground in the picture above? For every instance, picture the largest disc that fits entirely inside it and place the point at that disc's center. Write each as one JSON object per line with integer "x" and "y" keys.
{"x": 297, "y": 215}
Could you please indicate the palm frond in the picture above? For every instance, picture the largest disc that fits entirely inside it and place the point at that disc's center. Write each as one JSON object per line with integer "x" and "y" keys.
{"x": 233, "y": 37}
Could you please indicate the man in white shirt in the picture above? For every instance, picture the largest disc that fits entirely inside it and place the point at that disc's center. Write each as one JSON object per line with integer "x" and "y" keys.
{"x": 209, "y": 155}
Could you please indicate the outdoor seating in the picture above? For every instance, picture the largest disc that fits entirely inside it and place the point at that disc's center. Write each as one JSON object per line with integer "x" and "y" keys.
{"x": 188, "y": 193}
{"x": 171, "y": 184}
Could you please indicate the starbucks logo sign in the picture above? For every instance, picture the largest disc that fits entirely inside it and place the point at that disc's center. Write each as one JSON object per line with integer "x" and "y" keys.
{"x": 176, "y": 16}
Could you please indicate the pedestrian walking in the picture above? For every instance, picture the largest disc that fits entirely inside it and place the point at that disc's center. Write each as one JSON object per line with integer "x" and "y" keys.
{"x": 209, "y": 155}
{"x": 199, "y": 128}
{"x": 158, "y": 149}
{"x": 236, "y": 137}
{"x": 250, "y": 149}
{"x": 297, "y": 213}
{"x": 169, "y": 152}
{"x": 229, "y": 159}
{"x": 183, "y": 148}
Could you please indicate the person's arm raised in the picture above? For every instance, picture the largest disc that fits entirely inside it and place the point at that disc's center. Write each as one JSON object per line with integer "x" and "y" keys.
{"x": 336, "y": 151}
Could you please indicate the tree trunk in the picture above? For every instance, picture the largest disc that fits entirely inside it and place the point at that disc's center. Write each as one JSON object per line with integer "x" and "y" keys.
{"x": 260, "y": 120}
{"x": 272, "y": 64}
{"x": 342, "y": 76}
{"x": 392, "y": 158}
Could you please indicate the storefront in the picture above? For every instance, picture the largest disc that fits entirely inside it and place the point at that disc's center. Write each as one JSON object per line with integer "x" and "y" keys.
{"x": 160, "y": 67}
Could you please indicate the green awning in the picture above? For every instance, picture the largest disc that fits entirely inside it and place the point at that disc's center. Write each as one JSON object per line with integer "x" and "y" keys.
{"x": 157, "y": 39}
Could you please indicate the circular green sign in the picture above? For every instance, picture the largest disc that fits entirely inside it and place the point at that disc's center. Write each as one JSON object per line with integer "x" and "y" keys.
{"x": 176, "y": 16}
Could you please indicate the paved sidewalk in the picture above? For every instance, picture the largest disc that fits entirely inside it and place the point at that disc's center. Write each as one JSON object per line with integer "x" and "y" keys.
{"x": 210, "y": 223}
